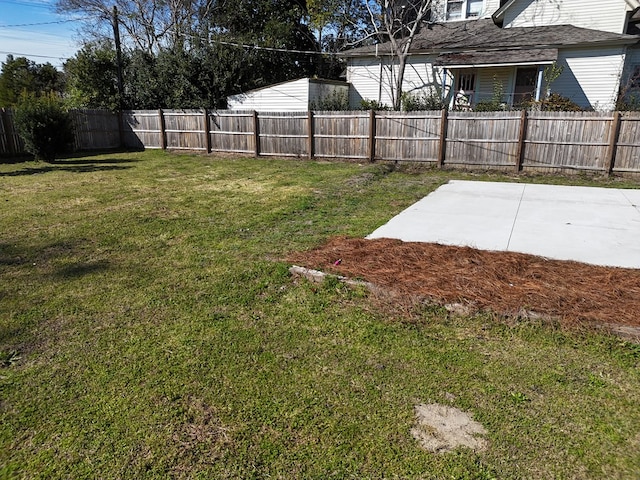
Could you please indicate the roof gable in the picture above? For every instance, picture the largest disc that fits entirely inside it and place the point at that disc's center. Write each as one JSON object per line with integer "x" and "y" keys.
{"x": 500, "y": 14}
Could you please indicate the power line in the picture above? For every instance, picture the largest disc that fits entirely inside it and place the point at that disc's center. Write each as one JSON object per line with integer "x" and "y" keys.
{"x": 46, "y": 23}
{"x": 254, "y": 47}
{"x": 27, "y": 4}
{"x": 32, "y": 55}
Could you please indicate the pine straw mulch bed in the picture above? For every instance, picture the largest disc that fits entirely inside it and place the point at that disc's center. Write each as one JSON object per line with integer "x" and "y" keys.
{"x": 505, "y": 283}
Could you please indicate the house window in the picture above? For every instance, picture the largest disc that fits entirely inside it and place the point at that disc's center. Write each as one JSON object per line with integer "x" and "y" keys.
{"x": 467, "y": 82}
{"x": 463, "y": 9}
{"x": 525, "y": 87}
{"x": 465, "y": 88}
{"x": 474, "y": 8}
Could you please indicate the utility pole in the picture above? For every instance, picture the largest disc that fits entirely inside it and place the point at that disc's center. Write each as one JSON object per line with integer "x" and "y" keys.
{"x": 116, "y": 35}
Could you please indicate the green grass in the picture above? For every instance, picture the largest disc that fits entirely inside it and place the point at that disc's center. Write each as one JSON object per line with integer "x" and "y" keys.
{"x": 149, "y": 328}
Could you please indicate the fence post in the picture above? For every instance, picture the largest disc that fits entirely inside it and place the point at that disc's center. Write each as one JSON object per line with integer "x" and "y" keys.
{"x": 372, "y": 135}
{"x": 442, "y": 143}
{"x": 614, "y": 133}
{"x": 163, "y": 133}
{"x": 310, "y": 131}
{"x": 121, "y": 129}
{"x": 256, "y": 134}
{"x": 207, "y": 129}
{"x": 521, "y": 138}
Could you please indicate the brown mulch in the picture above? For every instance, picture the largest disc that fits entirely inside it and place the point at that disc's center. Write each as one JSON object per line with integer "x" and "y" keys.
{"x": 505, "y": 283}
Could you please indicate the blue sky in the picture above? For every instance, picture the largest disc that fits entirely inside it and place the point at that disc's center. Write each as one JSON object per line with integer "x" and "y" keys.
{"x": 26, "y": 30}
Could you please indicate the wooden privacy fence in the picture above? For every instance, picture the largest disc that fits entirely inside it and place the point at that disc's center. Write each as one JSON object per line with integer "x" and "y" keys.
{"x": 547, "y": 141}
{"x": 94, "y": 130}
{"x": 10, "y": 143}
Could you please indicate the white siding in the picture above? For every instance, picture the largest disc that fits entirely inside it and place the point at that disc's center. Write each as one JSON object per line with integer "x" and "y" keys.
{"x": 289, "y": 96}
{"x": 590, "y": 77}
{"x": 363, "y": 74}
{"x": 489, "y": 79}
{"x": 420, "y": 77}
{"x": 490, "y": 7}
{"x": 605, "y": 15}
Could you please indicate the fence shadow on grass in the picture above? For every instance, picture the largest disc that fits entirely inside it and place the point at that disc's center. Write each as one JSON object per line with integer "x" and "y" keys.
{"x": 81, "y": 269}
{"x": 16, "y": 255}
{"x": 73, "y": 166}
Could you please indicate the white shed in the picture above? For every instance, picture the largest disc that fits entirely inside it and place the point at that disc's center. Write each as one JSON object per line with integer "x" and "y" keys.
{"x": 296, "y": 95}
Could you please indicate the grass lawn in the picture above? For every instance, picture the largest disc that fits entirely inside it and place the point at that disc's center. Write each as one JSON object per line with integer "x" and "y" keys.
{"x": 149, "y": 328}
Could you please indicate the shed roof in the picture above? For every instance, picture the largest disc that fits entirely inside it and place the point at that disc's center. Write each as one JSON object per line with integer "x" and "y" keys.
{"x": 484, "y": 35}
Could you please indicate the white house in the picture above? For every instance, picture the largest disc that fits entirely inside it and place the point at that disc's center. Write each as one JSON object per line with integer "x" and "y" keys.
{"x": 297, "y": 95}
{"x": 477, "y": 47}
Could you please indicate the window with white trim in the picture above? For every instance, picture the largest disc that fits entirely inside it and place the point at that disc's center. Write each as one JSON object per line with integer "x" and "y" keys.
{"x": 463, "y": 9}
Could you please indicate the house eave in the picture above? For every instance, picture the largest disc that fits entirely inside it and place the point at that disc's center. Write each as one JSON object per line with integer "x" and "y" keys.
{"x": 578, "y": 45}
{"x": 633, "y": 4}
{"x": 498, "y": 15}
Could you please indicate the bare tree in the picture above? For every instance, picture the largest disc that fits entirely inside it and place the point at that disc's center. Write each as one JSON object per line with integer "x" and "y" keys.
{"x": 397, "y": 22}
{"x": 146, "y": 25}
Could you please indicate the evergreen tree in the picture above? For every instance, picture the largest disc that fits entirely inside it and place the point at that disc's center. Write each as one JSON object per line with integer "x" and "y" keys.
{"x": 21, "y": 76}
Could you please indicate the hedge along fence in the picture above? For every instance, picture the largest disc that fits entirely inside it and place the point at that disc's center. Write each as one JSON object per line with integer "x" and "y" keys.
{"x": 540, "y": 141}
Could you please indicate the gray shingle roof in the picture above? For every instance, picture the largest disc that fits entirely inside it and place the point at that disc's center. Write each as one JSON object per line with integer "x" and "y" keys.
{"x": 498, "y": 57}
{"x": 483, "y": 35}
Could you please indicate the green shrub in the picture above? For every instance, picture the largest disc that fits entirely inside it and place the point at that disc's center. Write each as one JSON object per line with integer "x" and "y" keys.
{"x": 490, "y": 106}
{"x": 44, "y": 125}
{"x": 336, "y": 101}
{"x": 373, "y": 105}
{"x": 557, "y": 103}
{"x": 430, "y": 101}
{"x": 629, "y": 102}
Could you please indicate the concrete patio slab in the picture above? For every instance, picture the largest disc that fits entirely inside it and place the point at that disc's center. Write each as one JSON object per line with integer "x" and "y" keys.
{"x": 600, "y": 226}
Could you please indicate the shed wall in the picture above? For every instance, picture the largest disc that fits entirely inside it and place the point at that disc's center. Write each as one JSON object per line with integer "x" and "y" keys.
{"x": 289, "y": 96}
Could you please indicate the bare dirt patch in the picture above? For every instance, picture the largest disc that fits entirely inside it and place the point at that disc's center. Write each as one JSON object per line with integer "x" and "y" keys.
{"x": 506, "y": 283}
{"x": 440, "y": 429}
